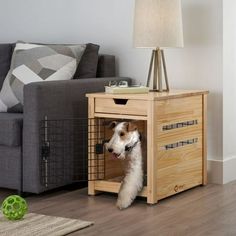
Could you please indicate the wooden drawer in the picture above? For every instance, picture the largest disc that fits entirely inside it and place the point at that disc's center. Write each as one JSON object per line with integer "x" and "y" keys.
{"x": 121, "y": 106}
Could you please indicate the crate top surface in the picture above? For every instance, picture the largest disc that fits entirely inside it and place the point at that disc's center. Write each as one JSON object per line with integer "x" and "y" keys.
{"x": 173, "y": 93}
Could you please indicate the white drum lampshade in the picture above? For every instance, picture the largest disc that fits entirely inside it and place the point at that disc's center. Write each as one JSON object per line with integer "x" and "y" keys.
{"x": 158, "y": 24}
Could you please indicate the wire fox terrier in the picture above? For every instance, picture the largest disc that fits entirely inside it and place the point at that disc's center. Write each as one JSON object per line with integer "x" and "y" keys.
{"x": 126, "y": 144}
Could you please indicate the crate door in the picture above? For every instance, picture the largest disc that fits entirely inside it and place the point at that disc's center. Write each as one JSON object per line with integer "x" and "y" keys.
{"x": 65, "y": 147}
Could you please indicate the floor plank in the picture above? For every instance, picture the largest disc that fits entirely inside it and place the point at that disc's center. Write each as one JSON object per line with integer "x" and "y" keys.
{"x": 201, "y": 211}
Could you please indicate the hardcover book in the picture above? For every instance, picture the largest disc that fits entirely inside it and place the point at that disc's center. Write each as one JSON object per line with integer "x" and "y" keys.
{"x": 132, "y": 89}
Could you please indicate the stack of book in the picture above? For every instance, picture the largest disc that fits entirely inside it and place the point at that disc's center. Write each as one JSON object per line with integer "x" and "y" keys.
{"x": 131, "y": 89}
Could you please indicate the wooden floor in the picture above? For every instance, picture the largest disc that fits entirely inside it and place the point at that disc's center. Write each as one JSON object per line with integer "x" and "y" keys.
{"x": 209, "y": 210}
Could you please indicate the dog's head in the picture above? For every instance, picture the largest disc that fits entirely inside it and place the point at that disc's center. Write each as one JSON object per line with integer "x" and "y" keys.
{"x": 125, "y": 136}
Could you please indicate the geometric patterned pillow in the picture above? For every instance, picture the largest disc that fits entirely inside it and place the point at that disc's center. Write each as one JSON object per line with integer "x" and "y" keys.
{"x": 34, "y": 63}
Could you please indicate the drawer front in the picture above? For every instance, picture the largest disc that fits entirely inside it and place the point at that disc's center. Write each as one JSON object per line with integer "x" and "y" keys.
{"x": 121, "y": 106}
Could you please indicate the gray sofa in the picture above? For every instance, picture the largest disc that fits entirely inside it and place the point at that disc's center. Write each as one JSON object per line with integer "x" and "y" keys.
{"x": 19, "y": 132}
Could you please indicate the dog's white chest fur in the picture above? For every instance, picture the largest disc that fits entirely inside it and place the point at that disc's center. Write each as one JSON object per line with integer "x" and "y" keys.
{"x": 125, "y": 143}
{"x": 133, "y": 180}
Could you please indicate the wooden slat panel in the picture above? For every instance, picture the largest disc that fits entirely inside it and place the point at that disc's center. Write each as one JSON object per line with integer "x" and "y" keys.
{"x": 132, "y": 107}
{"x": 114, "y": 167}
{"x": 161, "y": 125}
{"x": 179, "y": 168}
{"x": 174, "y": 110}
{"x": 177, "y": 137}
{"x": 177, "y": 178}
{"x": 166, "y": 158}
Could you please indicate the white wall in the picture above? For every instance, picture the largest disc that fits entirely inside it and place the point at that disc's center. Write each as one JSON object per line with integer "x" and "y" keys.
{"x": 229, "y": 85}
{"x": 229, "y": 89}
{"x": 199, "y": 64}
{"x": 110, "y": 22}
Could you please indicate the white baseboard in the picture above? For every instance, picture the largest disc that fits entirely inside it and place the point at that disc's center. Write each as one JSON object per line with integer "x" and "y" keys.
{"x": 215, "y": 171}
{"x": 222, "y": 171}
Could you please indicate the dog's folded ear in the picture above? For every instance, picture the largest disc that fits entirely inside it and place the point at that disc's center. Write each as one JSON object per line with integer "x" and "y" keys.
{"x": 112, "y": 125}
{"x": 131, "y": 126}
{"x": 140, "y": 137}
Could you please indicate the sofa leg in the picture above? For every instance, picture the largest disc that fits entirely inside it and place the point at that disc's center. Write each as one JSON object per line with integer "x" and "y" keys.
{"x": 23, "y": 194}
{"x": 20, "y": 193}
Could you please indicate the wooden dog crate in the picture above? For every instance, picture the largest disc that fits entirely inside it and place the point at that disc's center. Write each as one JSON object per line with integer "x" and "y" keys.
{"x": 174, "y": 124}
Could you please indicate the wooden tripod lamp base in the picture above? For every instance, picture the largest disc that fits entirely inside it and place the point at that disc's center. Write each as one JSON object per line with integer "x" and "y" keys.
{"x": 157, "y": 64}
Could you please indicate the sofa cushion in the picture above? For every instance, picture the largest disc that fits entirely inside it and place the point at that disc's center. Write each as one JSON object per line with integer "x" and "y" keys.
{"x": 87, "y": 67}
{"x": 106, "y": 66}
{"x": 37, "y": 63}
{"x": 11, "y": 129}
{"x": 5, "y": 60}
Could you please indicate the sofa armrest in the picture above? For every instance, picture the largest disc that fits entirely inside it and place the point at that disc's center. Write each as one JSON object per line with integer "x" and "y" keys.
{"x": 56, "y": 100}
{"x": 61, "y": 99}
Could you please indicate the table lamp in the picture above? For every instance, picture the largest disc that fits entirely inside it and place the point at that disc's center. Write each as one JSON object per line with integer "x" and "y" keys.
{"x": 158, "y": 25}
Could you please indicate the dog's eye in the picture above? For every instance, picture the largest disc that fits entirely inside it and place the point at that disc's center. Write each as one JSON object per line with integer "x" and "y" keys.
{"x": 122, "y": 134}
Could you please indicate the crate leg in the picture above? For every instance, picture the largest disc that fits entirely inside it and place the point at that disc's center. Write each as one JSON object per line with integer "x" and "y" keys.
{"x": 91, "y": 144}
{"x": 152, "y": 203}
{"x": 20, "y": 193}
{"x": 151, "y": 197}
{"x": 23, "y": 194}
{"x": 151, "y": 155}
{"x": 91, "y": 188}
{"x": 204, "y": 145}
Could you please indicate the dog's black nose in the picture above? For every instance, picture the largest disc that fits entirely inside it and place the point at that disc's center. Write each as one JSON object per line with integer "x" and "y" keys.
{"x": 110, "y": 149}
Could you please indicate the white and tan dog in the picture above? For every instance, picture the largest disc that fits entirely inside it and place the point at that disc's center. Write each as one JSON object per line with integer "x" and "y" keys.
{"x": 126, "y": 143}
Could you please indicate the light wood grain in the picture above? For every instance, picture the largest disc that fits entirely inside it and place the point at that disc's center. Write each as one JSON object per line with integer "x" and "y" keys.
{"x": 151, "y": 154}
{"x": 174, "y": 110}
{"x": 168, "y": 171}
{"x": 177, "y": 178}
{"x": 118, "y": 116}
{"x": 172, "y": 157}
{"x": 204, "y": 131}
{"x": 180, "y": 168}
{"x": 91, "y": 139}
{"x": 177, "y": 137}
{"x": 132, "y": 107}
{"x": 113, "y": 187}
{"x": 173, "y": 93}
{"x": 162, "y": 124}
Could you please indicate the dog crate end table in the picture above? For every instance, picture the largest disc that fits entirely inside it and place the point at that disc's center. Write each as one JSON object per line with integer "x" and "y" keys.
{"x": 175, "y": 126}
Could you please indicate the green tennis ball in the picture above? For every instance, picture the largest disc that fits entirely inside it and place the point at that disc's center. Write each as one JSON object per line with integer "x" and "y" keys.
{"x": 14, "y": 207}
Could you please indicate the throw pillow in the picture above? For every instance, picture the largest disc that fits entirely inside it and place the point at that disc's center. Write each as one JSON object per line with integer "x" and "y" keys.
{"x": 87, "y": 67}
{"x": 34, "y": 63}
{"x": 5, "y": 60}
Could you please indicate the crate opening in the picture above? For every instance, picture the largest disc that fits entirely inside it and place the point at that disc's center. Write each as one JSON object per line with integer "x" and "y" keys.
{"x": 115, "y": 168}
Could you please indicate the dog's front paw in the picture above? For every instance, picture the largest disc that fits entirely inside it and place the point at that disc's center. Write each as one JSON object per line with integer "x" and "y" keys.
{"x": 123, "y": 203}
